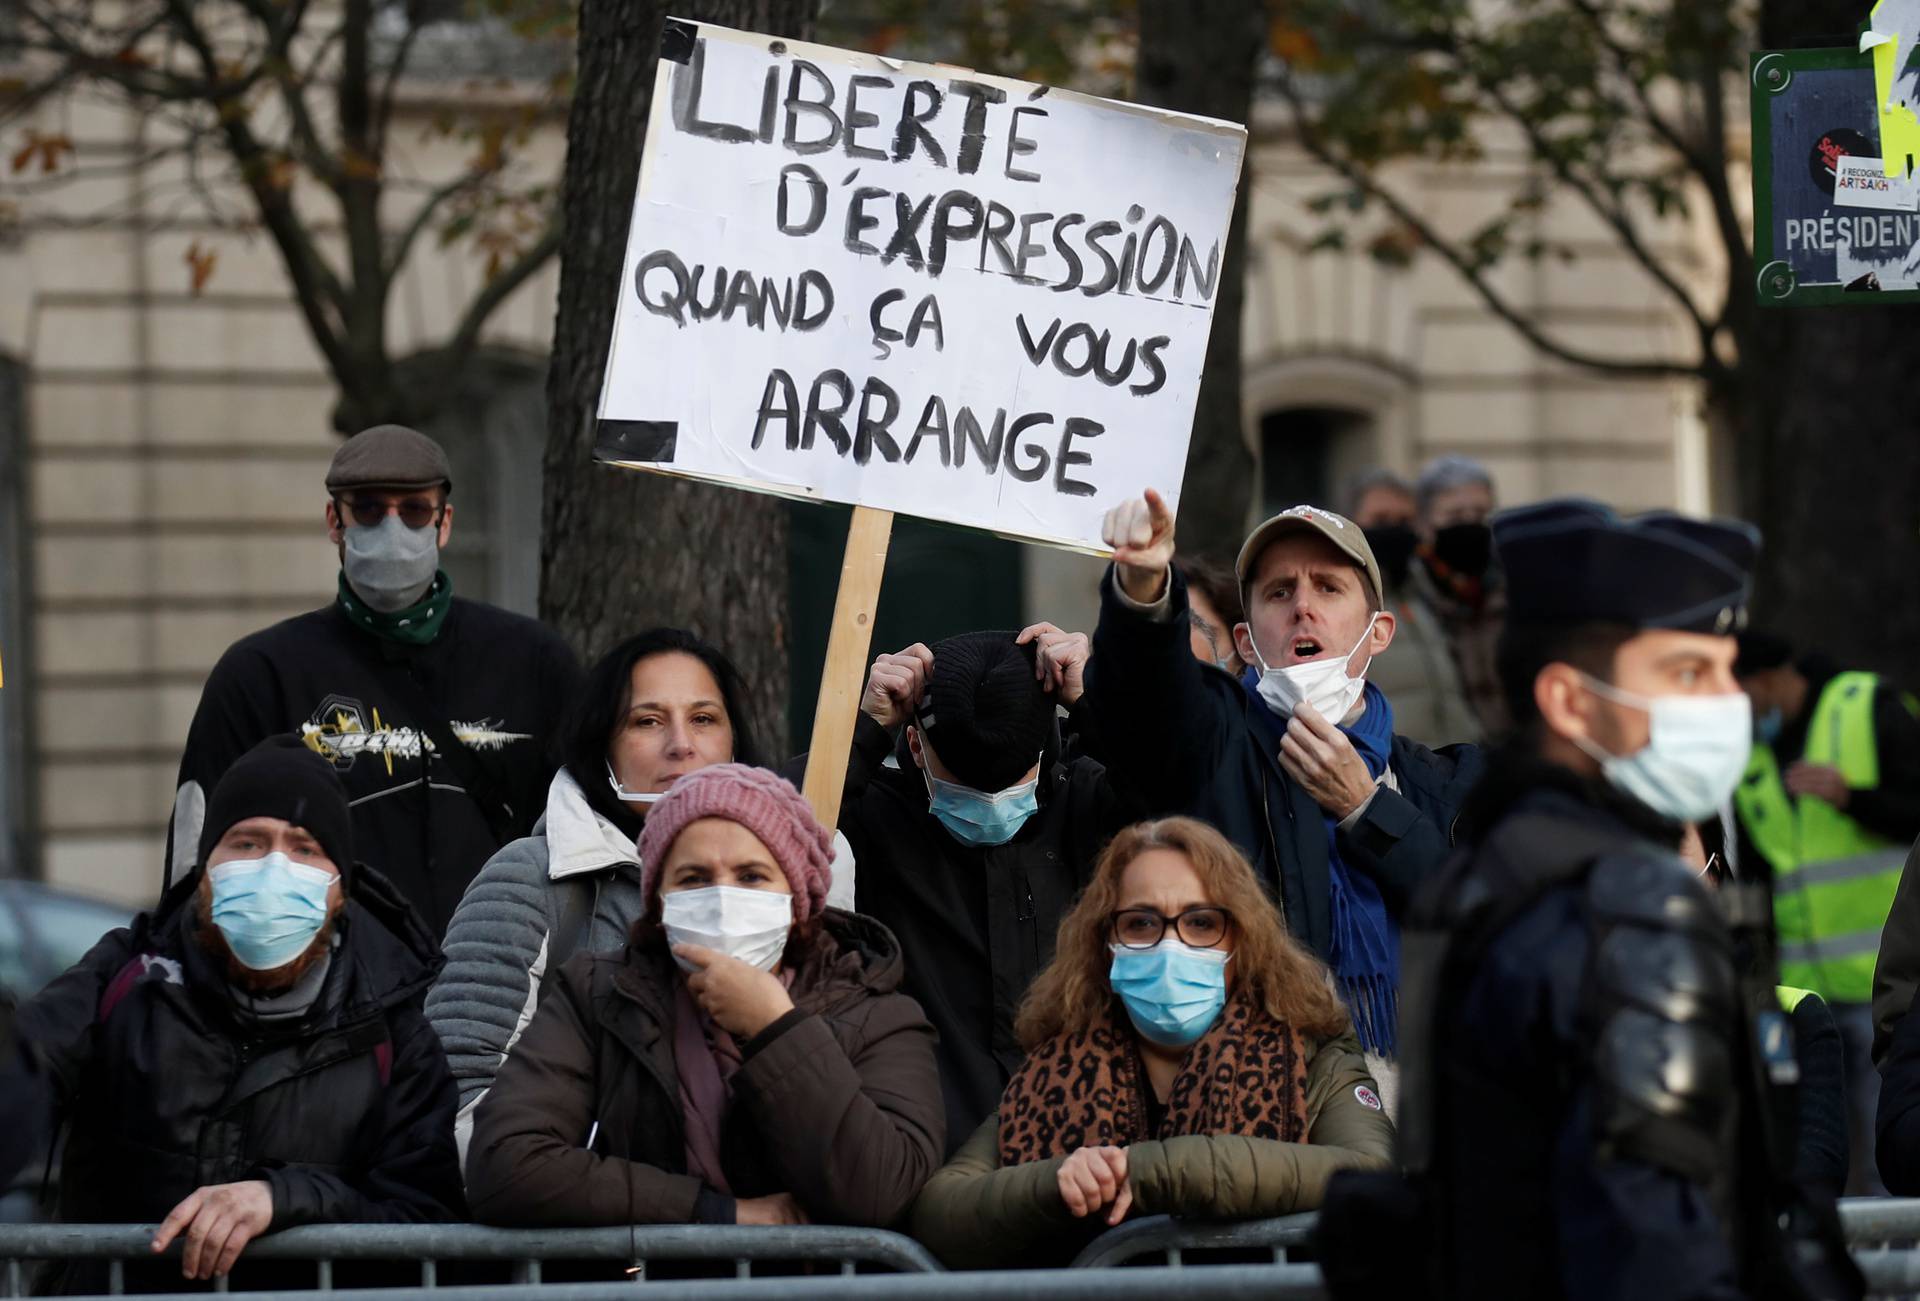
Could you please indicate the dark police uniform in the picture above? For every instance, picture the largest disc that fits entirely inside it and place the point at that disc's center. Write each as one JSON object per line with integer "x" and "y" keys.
{"x": 1594, "y": 1086}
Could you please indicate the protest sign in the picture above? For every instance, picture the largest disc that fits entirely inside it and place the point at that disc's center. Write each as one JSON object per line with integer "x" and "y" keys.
{"x": 910, "y": 287}
{"x": 914, "y": 287}
{"x": 1831, "y": 223}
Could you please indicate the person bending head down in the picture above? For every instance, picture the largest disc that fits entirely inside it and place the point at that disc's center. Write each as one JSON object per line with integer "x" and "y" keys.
{"x": 745, "y": 1059}
{"x": 1215, "y": 1073}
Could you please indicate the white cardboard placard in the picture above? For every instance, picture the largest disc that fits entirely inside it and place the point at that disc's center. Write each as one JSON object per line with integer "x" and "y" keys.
{"x": 914, "y": 287}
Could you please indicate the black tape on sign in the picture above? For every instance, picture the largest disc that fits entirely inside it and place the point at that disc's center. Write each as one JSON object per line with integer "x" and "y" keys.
{"x": 676, "y": 40}
{"x": 636, "y": 440}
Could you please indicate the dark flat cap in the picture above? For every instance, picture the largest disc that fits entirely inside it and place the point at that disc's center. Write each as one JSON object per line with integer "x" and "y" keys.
{"x": 985, "y": 713}
{"x": 1573, "y": 560}
{"x": 389, "y": 456}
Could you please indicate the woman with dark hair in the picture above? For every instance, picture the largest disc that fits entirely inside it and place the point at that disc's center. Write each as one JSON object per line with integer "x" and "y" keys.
{"x": 1185, "y": 1056}
{"x": 656, "y": 707}
{"x": 747, "y": 1058}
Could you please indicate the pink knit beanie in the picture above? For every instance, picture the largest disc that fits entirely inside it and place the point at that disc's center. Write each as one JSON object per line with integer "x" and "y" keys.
{"x": 761, "y": 801}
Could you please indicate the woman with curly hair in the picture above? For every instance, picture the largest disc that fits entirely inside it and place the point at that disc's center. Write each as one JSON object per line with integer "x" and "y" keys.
{"x": 1184, "y": 1056}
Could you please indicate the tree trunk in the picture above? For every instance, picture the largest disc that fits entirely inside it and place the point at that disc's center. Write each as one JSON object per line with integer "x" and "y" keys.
{"x": 622, "y": 550}
{"x": 1199, "y": 56}
{"x": 1830, "y": 448}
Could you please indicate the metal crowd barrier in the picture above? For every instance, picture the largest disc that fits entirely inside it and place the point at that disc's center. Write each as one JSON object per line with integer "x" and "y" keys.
{"x": 427, "y": 1246}
{"x": 1883, "y": 1233}
{"x": 1221, "y": 1283}
{"x": 1171, "y": 1241}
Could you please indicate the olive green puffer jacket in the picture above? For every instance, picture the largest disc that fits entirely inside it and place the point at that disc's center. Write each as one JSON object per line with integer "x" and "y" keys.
{"x": 975, "y": 1215}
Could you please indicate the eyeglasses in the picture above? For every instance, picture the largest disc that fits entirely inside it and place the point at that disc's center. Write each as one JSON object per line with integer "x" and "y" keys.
{"x": 1142, "y": 928}
{"x": 414, "y": 512}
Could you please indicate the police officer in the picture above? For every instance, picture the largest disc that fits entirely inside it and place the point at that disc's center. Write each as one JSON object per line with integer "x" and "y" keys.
{"x": 1829, "y": 804}
{"x": 1591, "y": 1097}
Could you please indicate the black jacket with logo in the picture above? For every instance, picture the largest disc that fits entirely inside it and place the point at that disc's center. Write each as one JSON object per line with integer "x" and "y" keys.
{"x": 502, "y": 682}
{"x": 165, "y": 1086}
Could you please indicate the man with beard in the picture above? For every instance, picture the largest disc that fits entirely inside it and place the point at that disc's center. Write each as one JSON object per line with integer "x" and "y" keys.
{"x": 1455, "y": 573}
{"x": 252, "y": 1054}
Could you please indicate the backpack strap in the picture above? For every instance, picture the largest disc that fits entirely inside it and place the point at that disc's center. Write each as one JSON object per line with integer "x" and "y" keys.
{"x": 120, "y": 986}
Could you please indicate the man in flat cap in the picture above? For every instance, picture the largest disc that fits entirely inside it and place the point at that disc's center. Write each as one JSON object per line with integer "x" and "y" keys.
{"x": 975, "y": 839}
{"x": 1297, "y": 759}
{"x": 436, "y": 711}
{"x": 1590, "y": 1059}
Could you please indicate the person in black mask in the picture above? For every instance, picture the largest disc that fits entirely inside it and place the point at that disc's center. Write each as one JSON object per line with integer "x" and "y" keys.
{"x": 1421, "y": 679}
{"x": 1455, "y": 574}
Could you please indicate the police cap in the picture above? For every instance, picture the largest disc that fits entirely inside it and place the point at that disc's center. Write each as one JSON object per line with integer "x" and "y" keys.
{"x": 1574, "y": 560}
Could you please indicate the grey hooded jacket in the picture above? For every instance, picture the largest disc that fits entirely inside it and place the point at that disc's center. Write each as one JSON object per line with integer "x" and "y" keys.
{"x": 504, "y": 933}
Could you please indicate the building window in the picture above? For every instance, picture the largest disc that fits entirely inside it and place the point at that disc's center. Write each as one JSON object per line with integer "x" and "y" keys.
{"x": 1308, "y": 453}
{"x": 495, "y": 432}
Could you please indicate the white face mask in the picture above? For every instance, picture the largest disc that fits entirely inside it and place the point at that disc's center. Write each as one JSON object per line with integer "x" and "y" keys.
{"x": 1696, "y": 751}
{"x": 1324, "y": 684}
{"x": 645, "y": 799}
{"x": 750, "y": 925}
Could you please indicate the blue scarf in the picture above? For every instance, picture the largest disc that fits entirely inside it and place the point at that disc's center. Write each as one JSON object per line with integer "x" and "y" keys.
{"x": 1364, "y": 951}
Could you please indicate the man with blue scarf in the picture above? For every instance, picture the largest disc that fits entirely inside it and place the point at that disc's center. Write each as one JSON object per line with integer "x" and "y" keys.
{"x": 1296, "y": 760}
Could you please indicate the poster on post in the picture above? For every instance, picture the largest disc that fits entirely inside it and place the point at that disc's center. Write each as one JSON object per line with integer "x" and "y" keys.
{"x": 1836, "y": 210}
{"x": 914, "y": 287}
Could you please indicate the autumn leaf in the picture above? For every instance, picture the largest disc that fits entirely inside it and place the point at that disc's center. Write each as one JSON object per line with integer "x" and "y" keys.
{"x": 49, "y": 149}
{"x": 200, "y": 262}
{"x": 1293, "y": 44}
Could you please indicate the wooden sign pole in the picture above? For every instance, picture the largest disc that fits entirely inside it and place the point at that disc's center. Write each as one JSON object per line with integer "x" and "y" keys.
{"x": 845, "y": 676}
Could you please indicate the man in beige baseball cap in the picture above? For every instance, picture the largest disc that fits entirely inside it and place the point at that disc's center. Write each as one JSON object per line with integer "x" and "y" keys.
{"x": 1296, "y": 760}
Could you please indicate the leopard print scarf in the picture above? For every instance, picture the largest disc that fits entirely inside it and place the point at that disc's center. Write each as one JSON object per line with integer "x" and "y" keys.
{"x": 1247, "y": 1075}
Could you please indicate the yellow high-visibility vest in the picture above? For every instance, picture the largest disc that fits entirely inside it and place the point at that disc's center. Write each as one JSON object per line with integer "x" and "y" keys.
{"x": 1833, "y": 880}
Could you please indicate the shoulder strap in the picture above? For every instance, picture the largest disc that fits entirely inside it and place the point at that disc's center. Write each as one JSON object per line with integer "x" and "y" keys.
{"x": 475, "y": 776}
{"x": 577, "y": 906}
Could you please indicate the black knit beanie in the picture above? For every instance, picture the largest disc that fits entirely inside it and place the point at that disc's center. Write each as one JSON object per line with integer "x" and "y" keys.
{"x": 985, "y": 713}
{"x": 282, "y": 778}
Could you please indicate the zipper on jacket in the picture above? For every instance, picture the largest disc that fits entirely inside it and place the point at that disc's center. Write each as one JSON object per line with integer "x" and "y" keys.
{"x": 1024, "y": 913}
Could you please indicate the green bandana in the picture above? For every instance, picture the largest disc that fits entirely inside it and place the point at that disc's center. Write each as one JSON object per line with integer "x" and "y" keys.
{"x": 416, "y": 625}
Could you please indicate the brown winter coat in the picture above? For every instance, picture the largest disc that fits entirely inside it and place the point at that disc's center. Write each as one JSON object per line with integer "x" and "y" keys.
{"x": 837, "y": 1103}
{"x": 976, "y": 1215}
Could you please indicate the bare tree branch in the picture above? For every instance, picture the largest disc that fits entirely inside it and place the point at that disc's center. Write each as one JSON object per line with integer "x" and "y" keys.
{"x": 1475, "y": 276}
{"x": 496, "y": 291}
{"x": 315, "y": 285}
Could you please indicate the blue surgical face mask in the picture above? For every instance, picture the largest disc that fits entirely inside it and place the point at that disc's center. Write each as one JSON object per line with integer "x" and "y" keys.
{"x": 1696, "y": 750}
{"x": 269, "y": 909}
{"x": 1173, "y": 993}
{"x": 1766, "y": 728}
{"x": 976, "y": 818}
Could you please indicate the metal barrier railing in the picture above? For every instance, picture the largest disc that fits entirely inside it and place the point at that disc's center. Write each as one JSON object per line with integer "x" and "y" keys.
{"x": 1884, "y": 1234}
{"x": 1881, "y": 1221}
{"x": 1171, "y": 1239}
{"x": 1221, "y": 1283}
{"x": 427, "y": 1246}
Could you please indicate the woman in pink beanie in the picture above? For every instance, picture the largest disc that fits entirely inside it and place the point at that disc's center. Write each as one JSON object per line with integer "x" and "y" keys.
{"x": 746, "y": 1058}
